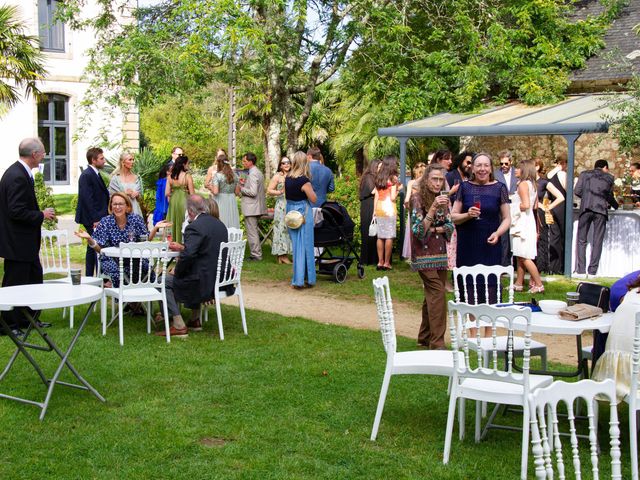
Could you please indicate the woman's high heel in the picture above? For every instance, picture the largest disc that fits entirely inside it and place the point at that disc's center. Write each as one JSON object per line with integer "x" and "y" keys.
{"x": 517, "y": 288}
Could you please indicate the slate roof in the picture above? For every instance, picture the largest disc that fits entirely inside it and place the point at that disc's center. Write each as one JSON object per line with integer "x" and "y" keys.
{"x": 622, "y": 45}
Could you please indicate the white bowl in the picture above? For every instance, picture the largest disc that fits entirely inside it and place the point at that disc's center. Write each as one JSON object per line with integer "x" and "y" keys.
{"x": 552, "y": 307}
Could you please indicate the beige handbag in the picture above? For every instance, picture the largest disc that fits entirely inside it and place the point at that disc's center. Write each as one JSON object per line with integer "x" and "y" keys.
{"x": 580, "y": 311}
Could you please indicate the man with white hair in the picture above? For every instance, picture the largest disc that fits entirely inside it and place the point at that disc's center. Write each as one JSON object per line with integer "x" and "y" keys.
{"x": 195, "y": 274}
{"x": 20, "y": 223}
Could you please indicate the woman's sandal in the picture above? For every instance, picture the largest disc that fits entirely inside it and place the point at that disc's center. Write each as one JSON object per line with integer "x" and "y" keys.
{"x": 157, "y": 319}
{"x": 517, "y": 288}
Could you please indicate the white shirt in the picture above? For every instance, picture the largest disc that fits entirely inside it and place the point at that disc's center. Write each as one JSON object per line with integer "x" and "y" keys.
{"x": 507, "y": 179}
{"x": 27, "y": 168}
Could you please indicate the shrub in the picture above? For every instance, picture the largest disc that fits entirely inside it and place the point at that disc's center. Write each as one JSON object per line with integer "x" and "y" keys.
{"x": 45, "y": 200}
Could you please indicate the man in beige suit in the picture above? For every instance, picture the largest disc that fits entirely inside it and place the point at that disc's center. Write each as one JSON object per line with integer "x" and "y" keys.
{"x": 253, "y": 203}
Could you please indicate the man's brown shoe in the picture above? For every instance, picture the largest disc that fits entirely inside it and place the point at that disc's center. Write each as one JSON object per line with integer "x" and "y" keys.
{"x": 195, "y": 325}
{"x": 174, "y": 332}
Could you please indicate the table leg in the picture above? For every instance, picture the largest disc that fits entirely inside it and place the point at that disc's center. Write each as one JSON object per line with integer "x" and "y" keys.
{"x": 21, "y": 347}
{"x": 65, "y": 362}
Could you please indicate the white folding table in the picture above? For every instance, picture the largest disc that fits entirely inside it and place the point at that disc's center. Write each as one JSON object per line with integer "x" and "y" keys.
{"x": 40, "y": 297}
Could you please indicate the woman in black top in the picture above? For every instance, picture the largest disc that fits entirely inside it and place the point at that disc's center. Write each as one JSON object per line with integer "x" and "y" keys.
{"x": 368, "y": 251}
{"x": 298, "y": 193}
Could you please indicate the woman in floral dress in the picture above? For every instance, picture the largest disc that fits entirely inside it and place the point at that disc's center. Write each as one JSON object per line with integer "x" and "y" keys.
{"x": 281, "y": 243}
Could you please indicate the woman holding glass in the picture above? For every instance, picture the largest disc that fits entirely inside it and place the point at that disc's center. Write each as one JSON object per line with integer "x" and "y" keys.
{"x": 481, "y": 215}
{"x": 121, "y": 225}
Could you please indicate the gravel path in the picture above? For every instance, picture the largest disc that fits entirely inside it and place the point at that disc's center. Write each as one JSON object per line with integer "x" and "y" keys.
{"x": 357, "y": 314}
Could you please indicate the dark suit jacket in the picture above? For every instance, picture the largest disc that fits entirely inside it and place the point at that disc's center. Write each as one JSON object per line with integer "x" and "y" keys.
{"x": 196, "y": 270}
{"x": 20, "y": 216}
{"x": 321, "y": 181}
{"x": 499, "y": 176}
{"x": 93, "y": 198}
{"x": 595, "y": 189}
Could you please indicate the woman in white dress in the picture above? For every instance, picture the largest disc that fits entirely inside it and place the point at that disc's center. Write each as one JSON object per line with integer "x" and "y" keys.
{"x": 615, "y": 362}
{"x": 523, "y": 231}
{"x": 124, "y": 180}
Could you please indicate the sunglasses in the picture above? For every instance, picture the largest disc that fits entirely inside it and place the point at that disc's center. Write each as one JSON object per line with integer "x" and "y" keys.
{"x": 504, "y": 163}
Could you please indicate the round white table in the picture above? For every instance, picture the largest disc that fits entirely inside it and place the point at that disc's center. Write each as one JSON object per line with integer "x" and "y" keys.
{"x": 40, "y": 297}
{"x": 554, "y": 325}
{"x": 114, "y": 252}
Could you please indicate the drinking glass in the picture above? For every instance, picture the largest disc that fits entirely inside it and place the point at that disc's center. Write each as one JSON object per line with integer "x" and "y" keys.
{"x": 477, "y": 202}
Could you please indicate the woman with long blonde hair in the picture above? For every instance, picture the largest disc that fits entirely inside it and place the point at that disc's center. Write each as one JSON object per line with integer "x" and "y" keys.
{"x": 222, "y": 186}
{"x": 300, "y": 196}
{"x": 124, "y": 180}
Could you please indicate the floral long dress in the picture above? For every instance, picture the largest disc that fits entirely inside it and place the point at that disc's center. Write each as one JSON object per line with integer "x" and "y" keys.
{"x": 281, "y": 242}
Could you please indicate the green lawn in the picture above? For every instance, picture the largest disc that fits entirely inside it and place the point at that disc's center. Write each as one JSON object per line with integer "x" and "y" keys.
{"x": 63, "y": 203}
{"x": 294, "y": 399}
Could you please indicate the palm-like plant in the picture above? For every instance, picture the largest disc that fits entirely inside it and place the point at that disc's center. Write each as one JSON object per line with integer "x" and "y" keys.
{"x": 21, "y": 61}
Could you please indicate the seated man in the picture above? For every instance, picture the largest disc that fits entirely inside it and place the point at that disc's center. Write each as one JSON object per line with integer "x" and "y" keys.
{"x": 195, "y": 274}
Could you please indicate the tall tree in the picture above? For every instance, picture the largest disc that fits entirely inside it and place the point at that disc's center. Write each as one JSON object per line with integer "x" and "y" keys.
{"x": 283, "y": 49}
{"x": 21, "y": 62}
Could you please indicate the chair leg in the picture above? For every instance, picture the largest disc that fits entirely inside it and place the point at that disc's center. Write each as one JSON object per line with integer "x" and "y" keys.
{"x": 524, "y": 462}
{"x": 485, "y": 364}
{"x": 242, "y": 314}
{"x": 121, "y": 321}
{"x": 633, "y": 441}
{"x": 543, "y": 359}
{"x": 103, "y": 314}
{"x": 462, "y": 404}
{"x": 381, "y": 400}
{"x": 148, "y": 317}
{"x": 165, "y": 311}
{"x": 479, "y": 407}
{"x": 71, "y": 309}
{"x": 450, "y": 419}
{"x": 219, "y": 315}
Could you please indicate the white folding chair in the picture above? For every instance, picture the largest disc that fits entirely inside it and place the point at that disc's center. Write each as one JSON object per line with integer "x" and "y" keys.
{"x": 633, "y": 399}
{"x": 470, "y": 276}
{"x": 416, "y": 362}
{"x": 545, "y": 428}
{"x": 230, "y": 260}
{"x": 54, "y": 257}
{"x": 493, "y": 383}
{"x": 235, "y": 234}
{"x": 139, "y": 282}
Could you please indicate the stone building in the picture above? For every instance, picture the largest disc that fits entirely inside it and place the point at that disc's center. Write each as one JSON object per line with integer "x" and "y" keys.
{"x": 607, "y": 71}
{"x": 57, "y": 118}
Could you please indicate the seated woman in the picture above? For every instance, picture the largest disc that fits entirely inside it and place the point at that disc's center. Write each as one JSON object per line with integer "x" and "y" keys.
{"x": 119, "y": 226}
{"x": 615, "y": 362}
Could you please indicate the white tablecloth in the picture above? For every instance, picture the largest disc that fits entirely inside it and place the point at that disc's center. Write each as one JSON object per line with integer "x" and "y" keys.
{"x": 620, "y": 254}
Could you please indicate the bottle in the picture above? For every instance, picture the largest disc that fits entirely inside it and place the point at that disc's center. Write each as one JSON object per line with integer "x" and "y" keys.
{"x": 169, "y": 237}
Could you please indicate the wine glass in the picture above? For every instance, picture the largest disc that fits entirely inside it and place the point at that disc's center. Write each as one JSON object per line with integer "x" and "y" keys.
{"x": 477, "y": 202}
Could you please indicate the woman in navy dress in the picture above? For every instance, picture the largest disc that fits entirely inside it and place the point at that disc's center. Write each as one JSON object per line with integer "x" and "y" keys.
{"x": 119, "y": 226}
{"x": 481, "y": 214}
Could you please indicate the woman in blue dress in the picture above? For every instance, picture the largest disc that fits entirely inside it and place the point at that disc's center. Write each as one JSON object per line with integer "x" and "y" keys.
{"x": 298, "y": 193}
{"x": 119, "y": 226}
{"x": 481, "y": 215}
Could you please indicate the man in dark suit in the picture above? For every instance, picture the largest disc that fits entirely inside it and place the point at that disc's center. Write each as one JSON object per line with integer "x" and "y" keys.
{"x": 507, "y": 175}
{"x": 196, "y": 270}
{"x": 93, "y": 200}
{"x": 595, "y": 189}
{"x": 321, "y": 176}
{"x": 20, "y": 223}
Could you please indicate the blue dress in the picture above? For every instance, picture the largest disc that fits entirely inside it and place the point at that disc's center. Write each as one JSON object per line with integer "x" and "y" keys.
{"x": 108, "y": 234}
{"x": 162, "y": 205}
{"x": 304, "y": 264}
{"x": 473, "y": 248}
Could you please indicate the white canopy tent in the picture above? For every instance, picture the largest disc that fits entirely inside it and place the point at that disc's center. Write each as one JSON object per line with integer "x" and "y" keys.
{"x": 570, "y": 118}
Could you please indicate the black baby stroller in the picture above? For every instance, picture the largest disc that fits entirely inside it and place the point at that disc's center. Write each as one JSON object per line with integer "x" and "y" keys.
{"x": 335, "y": 236}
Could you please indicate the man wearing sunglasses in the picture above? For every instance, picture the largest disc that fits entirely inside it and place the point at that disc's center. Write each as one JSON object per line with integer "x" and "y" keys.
{"x": 507, "y": 175}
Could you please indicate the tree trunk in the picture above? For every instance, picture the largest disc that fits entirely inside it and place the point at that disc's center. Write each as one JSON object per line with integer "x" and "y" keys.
{"x": 272, "y": 155}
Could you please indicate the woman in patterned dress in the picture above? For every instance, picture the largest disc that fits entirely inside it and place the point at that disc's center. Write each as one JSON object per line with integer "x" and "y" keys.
{"x": 121, "y": 225}
{"x": 222, "y": 186}
{"x": 281, "y": 242}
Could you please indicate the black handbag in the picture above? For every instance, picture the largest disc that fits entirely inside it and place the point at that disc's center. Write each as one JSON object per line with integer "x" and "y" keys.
{"x": 594, "y": 294}
{"x": 598, "y": 296}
